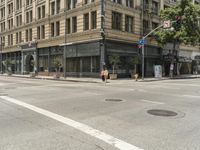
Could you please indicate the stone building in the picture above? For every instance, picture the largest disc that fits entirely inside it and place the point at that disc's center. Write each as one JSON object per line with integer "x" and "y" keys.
{"x": 80, "y": 34}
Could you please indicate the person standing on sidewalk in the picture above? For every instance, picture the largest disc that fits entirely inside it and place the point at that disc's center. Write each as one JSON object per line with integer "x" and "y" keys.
{"x": 105, "y": 75}
{"x": 102, "y": 75}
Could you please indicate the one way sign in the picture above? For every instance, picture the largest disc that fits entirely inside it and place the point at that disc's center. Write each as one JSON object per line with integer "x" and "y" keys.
{"x": 141, "y": 42}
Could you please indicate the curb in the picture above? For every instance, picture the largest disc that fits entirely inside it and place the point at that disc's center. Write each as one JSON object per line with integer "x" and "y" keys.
{"x": 174, "y": 78}
{"x": 40, "y": 78}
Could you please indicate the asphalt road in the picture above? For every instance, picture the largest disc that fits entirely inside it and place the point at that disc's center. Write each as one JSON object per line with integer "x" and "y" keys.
{"x": 53, "y": 115}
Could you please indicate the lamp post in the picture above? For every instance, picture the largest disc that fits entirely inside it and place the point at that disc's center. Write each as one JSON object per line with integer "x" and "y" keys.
{"x": 2, "y": 45}
{"x": 102, "y": 32}
{"x": 65, "y": 46}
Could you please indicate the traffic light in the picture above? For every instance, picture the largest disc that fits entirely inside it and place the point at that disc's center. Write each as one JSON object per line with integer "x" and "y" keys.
{"x": 178, "y": 23}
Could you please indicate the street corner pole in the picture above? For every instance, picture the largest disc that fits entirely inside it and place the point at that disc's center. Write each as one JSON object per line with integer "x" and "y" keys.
{"x": 102, "y": 32}
{"x": 142, "y": 42}
{"x": 65, "y": 47}
{"x": 142, "y": 61}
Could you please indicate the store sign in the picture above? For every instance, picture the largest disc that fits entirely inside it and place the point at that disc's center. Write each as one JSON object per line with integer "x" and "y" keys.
{"x": 29, "y": 45}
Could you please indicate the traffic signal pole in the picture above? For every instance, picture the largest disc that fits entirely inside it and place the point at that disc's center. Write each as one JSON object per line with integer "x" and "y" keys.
{"x": 143, "y": 38}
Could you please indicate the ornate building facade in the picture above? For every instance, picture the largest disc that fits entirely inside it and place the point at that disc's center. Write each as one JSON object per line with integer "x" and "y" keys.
{"x": 80, "y": 34}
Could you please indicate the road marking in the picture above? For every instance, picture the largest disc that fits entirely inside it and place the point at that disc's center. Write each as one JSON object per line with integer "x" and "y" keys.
{"x": 182, "y": 84}
{"x": 132, "y": 89}
{"x": 193, "y": 96}
{"x": 77, "y": 125}
{"x": 164, "y": 87}
{"x": 141, "y": 90}
{"x": 153, "y": 102}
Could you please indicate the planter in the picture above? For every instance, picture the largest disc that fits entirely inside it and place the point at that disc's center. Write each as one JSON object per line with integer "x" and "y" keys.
{"x": 9, "y": 73}
{"x": 56, "y": 76}
{"x": 113, "y": 76}
{"x": 133, "y": 76}
{"x": 32, "y": 74}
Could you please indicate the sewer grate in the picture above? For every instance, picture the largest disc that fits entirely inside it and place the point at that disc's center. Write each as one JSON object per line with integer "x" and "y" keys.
{"x": 161, "y": 112}
{"x": 113, "y": 100}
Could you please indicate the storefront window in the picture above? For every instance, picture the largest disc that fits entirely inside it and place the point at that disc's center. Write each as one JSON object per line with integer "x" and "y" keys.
{"x": 73, "y": 65}
{"x": 95, "y": 64}
{"x": 53, "y": 60}
{"x": 43, "y": 63}
{"x": 86, "y": 64}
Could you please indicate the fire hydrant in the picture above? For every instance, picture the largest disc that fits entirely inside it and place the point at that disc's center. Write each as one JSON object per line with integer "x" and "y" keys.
{"x": 136, "y": 77}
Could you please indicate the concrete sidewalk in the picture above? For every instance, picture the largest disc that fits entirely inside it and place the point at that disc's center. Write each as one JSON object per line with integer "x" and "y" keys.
{"x": 98, "y": 80}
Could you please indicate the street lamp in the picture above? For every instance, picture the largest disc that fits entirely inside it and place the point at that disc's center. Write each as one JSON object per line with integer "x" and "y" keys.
{"x": 2, "y": 45}
{"x": 102, "y": 32}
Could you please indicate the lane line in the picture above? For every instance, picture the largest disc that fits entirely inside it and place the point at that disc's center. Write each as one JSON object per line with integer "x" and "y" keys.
{"x": 193, "y": 96}
{"x": 182, "y": 84}
{"x": 77, "y": 125}
{"x": 164, "y": 87}
{"x": 153, "y": 102}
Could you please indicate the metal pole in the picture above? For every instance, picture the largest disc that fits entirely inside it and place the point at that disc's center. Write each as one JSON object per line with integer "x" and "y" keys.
{"x": 142, "y": 34}
{"x": 143, "y": 62}
{"x": 102, "y": 31}
{"x": 1, "y": 59}
{"x": 65, "y": 46}
{"x": 143, "y": 48}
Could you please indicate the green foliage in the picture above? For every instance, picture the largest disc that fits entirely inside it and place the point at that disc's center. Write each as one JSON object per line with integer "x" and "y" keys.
{"x": 57, "y": 64}
{"x": 8, "y": 63}
{"x": 132, "y": 61}
{"x": 114, "y": 60}
{"x": 189, "y": 32}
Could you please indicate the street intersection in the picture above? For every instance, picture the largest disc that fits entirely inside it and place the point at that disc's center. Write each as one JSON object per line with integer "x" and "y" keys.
{"x": 40, "y": 114}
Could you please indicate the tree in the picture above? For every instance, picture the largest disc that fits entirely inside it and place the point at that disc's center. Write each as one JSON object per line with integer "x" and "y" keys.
{"x": 8, "y": 64}
{"x": 185, "y": 22}
{"x": 57, "y": 64}
{"x": 132, "y": 62}
{"x": 114, "y": 60}
{"x": 185, "y": 15}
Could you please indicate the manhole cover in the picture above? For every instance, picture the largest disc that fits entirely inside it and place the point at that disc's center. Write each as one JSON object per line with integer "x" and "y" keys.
{"x": 113, "y": 100}
{"x": 161, "y": 112}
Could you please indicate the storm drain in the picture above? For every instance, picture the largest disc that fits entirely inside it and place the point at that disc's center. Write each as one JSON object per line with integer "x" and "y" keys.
{"x": 161, "y": 112}
{"x": 113, "y": 100}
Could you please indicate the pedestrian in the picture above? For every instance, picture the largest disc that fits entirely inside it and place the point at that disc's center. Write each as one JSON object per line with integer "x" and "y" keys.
{"x": 105, "y": 75}
{"x": 102, "y": 75}
{"x": 136, "y": 77}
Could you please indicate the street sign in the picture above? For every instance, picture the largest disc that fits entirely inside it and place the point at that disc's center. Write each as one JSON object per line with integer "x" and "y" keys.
{"x": 141, "y": 42}
{"x": 167, "y": 24}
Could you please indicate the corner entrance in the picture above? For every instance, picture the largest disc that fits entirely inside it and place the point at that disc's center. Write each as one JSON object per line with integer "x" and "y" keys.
{"x": 29, "y": 63}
